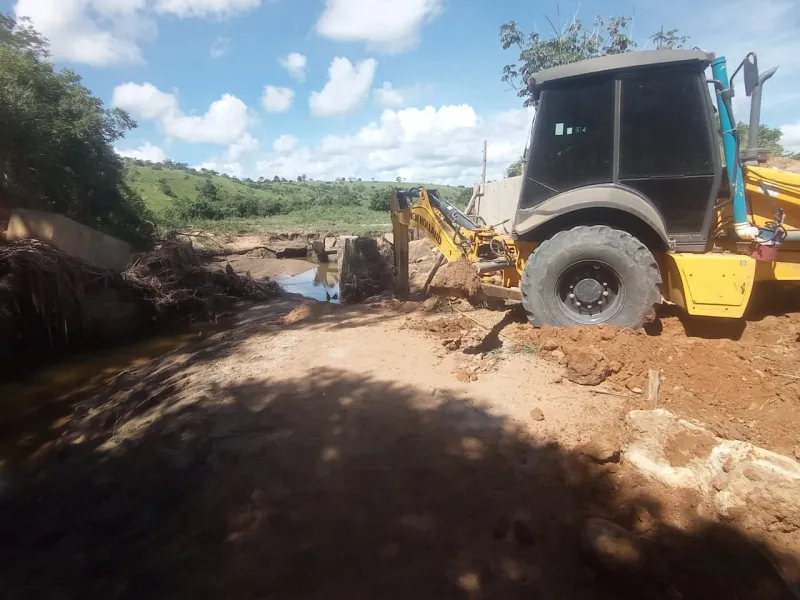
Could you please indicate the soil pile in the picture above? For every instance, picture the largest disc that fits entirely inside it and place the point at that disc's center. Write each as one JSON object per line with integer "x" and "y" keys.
{"x": 307, "y": 311}
{"x": 458, "y": 276}
{"x": 784, "y": 163}
{"x": 745, "y": 389}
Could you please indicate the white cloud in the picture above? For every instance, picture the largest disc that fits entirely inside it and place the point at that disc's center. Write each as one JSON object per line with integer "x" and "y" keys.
{"x": 773, "y": 36}
{"x": 452, "y": 152}
{"x": 225, "y": 122}
{"x": 387, "y": 25}
{"x": 295, "y": 64}
{"x": 220, "y": 47}
{"x": 791, "y": 137}
{"x": 285, "y": 144}
{"x": 94, "y": 32}
{"x": 205, "y": 8}
{"x": 241, "y": 148}
{"x": 104, "y": 33}
{"x": 231, "y": 168}
{"x": 277, "y": 100}
{"x": 347, "y": 87}
{"x": 144, "y": 100}
{"x": 146, "y": 151}
{"x": 388, "y": 96}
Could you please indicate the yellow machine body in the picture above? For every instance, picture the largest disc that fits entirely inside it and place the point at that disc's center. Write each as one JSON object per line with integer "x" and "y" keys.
{"x": 717, "y": 283}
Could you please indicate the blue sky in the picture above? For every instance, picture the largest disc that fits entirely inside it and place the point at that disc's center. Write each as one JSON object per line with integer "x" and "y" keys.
{"x": 373, "y": 88}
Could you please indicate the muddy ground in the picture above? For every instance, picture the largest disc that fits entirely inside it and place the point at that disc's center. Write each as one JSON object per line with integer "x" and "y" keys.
{"x": 394, "y": 450}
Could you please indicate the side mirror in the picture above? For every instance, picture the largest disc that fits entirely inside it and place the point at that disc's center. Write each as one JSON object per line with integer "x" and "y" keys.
{"x": 750, "y": 73}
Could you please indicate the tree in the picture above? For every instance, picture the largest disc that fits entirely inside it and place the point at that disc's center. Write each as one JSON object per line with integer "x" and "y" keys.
{"x": 569, "y": 43}
{"x": 276, "y": 179}
{"x": 379, "y": 200}
{"x": 56, "y": 147}
{"x": 669, "y": 39}
{"x": 769, "y": 138}
{"x": 516, "y": 168}
{"x": 401, "y": 179}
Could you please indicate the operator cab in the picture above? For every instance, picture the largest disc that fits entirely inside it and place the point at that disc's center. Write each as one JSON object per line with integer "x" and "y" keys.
{"x": 630, "y": 134}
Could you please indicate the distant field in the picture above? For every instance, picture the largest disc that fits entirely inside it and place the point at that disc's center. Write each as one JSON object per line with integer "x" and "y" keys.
{"x": 308, "y": 206}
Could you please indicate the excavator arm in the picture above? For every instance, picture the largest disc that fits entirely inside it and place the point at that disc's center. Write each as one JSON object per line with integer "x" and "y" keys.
{"x": 447, "y": 227}
{"x": 454, "y": 234}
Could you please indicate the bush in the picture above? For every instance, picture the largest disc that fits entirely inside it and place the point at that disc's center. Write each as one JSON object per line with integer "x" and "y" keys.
{"x": 165, "y": 188}
{"x": 379, "y": 200}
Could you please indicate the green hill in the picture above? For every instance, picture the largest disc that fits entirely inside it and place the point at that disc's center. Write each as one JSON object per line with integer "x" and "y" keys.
{"x": 182, "y": 197}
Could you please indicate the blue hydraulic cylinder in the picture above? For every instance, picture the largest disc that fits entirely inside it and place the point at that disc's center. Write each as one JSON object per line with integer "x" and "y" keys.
{"x": 719, "y": 71}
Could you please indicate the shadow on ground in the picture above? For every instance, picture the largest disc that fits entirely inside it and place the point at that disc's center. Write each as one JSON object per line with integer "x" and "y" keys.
{"x": 337, "y": 485}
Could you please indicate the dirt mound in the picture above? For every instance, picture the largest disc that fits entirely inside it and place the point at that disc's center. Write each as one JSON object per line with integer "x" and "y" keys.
{"x": 747, "y": 389}
{"x": 307, "y": 311}
{"x": 445, "y": 327}
{"x": 461, "y": 278}
{"x": 784, "y": 163}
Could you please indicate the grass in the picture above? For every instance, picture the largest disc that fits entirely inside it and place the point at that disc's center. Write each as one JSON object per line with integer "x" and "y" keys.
{"x": 337, "y": 222}
{"x": 308, "y": 203}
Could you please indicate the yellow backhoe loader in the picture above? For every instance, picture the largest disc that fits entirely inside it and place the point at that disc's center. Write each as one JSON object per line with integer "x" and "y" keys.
{"x": 635, "y": 191}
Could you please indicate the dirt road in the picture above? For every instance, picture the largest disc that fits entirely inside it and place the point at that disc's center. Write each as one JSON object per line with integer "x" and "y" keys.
{"x": 354, "y": 453}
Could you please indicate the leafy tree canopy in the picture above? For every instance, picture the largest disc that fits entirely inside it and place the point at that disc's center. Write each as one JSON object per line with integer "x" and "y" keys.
{"x": 516, "y": 168}
{"x": 571, "y": 42}
{"x": 769, "y": 138}
{"x": 56, "y": 150}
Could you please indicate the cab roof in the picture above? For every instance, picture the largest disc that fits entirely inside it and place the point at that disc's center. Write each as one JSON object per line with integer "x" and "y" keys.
{"x": 624, "y": 62}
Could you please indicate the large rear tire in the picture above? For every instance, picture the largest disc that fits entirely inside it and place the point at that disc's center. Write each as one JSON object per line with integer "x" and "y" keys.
{"x": 588, "y": 276}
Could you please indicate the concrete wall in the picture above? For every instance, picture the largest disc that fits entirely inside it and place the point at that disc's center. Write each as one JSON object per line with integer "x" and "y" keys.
{"x": 498, "y": 202}
{"x": 68, "y": 236}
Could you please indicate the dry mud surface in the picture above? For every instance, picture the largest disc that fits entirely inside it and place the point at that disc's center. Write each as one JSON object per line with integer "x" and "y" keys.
{"x": 401, "y": 450}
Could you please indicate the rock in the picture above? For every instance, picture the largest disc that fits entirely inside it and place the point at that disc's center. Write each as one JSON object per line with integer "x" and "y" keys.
{"x": 587, "y": 368}
{"x": 431, "y": 304}
{"x": 601, "y": 451}
{"x": 288, "y": 249}
{"x": 537, "y": 414}
{"x": 555, "y": 379}
{"x": 464, "y": 376}
{"x": 611, "y": 548}
{"x": 558, "y": 355}
{"x": 419, "y": 250}
{"x": 549, "y": 345}
{"x": 636, "y": 390}
{"x": 749, "y": 486}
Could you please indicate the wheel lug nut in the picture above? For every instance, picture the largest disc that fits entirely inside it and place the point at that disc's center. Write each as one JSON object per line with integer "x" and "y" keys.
{"x": 599, "y": 303}
{"x": 588, "y": 306}
{"x": 577, "y": 304}
{"x": 605, "y": 294}
{"x": 571, "y": 296}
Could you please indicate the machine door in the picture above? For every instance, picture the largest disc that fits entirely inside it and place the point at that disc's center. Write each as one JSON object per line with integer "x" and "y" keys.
{"x": 573, "y": 140}
{"x": 667, "y": 148}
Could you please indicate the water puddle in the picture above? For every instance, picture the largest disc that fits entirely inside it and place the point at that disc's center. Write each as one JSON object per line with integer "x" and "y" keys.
{"x": 320, "y": 283}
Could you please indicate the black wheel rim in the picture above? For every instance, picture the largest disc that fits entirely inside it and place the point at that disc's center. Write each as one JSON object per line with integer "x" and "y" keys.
{"x": 589, "y": 291}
